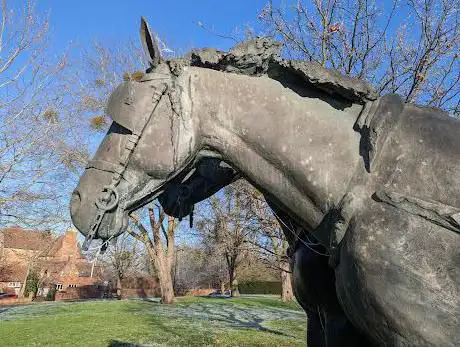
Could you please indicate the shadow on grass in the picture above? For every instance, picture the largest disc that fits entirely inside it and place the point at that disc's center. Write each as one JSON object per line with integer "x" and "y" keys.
{"x": 223, "y": 297}
{"x": 154, "y": 300}
{"x": 116, "y": 343}
{"x": 260, "y": 301}
{"x": 231, "y": 314}
{"x": 6, "y": 308}
{"x": 171, "y": 336}
{"x": 252, "y": 321}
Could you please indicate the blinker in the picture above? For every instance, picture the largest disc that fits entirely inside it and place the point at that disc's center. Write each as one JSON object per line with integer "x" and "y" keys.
{"x": 132, "y": 103}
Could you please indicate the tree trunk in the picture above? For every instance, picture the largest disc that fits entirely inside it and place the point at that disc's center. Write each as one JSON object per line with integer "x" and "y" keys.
{"x": 234, "y": 283}
{"x": 24, "y": 284}
{"x": 160, "y": 257}
{"x": 174, "y": 279}
{"x": 163, "y": 266}
{"x": 222, "y": 286}
{"x": 286, "y": 282}
{"x": 235, "y": 289}
{"x": 119, "y": 292}
{"x": 166, "y": 286}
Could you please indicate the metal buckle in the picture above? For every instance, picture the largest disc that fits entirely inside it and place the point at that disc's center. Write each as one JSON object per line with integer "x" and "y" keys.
{"x": 102, "y": 202}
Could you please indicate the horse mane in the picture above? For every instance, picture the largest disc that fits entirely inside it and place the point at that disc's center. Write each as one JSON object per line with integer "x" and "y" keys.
{"x": 262, "y": 56}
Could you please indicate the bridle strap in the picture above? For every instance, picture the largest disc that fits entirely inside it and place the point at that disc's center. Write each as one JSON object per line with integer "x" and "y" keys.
{"x": 102, "y": 165}
{"x": 103, "y": 203}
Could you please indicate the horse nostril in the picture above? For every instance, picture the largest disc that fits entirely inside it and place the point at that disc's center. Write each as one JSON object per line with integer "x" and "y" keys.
{"x": 75, "y": 202}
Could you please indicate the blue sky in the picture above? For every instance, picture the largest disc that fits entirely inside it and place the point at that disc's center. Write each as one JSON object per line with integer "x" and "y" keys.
{"x": 174, "y": 21}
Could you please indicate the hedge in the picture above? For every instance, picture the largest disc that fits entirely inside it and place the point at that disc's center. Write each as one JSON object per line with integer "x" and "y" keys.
{"x": 260, "y": 287}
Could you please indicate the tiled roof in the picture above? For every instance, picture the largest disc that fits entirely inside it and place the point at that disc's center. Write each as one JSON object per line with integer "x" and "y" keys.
{"x": 13, "y": 273}
{"x": 19, "y": 238}
{"x": 53, "y": 266}
{"x": 57, "y": 244}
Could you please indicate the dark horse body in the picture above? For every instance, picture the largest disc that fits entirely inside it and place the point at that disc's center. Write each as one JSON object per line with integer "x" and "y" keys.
{"x": 375, "y": 181}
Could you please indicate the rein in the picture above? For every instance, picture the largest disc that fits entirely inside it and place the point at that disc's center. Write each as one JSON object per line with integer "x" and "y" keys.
{"x": 109, "y": 197}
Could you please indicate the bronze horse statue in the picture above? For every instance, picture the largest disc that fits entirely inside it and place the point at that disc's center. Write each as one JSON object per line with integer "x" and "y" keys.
{"x": 367, "y": 188}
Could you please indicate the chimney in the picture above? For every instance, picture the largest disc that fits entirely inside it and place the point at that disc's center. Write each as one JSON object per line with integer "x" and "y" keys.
{"x": 69, "y": 244}
{"x": 71, "y": 236}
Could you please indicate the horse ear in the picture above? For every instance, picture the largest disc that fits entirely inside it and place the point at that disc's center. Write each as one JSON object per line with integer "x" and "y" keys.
{"x": 150, "y": 44}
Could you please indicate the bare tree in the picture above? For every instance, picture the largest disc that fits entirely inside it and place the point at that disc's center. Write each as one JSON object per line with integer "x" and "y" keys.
{"x": 224, "y": 228}
{"x": 214, "y": 270}
{"x": 94, "y": 76}
{"x": 410, "y": 48}
{"x": 185, "y": 271}
{"x": 122, "y": 258}
{"x": 268, "y": 239}
{"x": 28, "y": 116}
{"x": 196, "y": 268}
{"x": 159, "y": 243}
{"x": 88, "y": 83}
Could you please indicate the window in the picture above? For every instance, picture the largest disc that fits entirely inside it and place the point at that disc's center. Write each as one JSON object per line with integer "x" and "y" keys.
{"x": 59, "y": 286}
{"x": 14, "y": 284}
{"x": 72, "y": 286}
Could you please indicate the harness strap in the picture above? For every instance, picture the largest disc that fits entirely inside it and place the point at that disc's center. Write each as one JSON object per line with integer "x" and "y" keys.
{"x": 92, "y": 233}
{"x": 102, "y": 165}
{"x": 444, "y": 215}
{"x": 117, "y": 170}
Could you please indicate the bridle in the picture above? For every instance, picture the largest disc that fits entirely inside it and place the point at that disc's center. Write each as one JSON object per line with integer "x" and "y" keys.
{"x": 109, "y": 197}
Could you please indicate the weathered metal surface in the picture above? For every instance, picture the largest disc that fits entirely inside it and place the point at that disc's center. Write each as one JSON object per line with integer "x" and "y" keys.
{"x": 375, "y": 181}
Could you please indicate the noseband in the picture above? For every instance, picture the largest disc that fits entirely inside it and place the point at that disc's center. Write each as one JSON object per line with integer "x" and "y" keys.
{"x": 109, "y": 197}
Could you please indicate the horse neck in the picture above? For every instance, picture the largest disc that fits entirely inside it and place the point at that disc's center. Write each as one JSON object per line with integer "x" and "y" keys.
{"x": 295, "y": 146}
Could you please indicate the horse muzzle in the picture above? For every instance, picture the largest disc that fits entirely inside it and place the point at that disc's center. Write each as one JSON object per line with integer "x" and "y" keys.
{"x": 97, "y": 203}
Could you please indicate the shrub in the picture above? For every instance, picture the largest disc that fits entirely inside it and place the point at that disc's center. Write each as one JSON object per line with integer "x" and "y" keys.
{"x": 260, "y": 287}
{"x": 51, "y": 294}
{"x": 31, "y": 284}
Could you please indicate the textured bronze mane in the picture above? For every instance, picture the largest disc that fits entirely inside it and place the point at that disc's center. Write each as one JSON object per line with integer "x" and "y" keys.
{"x": 263, "y": 56}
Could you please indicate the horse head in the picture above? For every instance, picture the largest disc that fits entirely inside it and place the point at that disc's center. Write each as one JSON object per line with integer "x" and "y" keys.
{"x": 150, "y": 143}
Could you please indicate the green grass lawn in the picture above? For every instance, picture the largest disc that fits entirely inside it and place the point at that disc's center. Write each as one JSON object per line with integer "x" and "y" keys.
{"x": 244, "y": 321}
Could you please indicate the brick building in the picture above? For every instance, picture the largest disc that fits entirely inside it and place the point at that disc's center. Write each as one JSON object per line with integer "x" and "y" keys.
{"x": 57, "y": 261}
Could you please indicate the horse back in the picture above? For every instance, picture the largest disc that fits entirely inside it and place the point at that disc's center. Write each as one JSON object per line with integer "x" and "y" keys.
{"x": 421, "y": 157}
